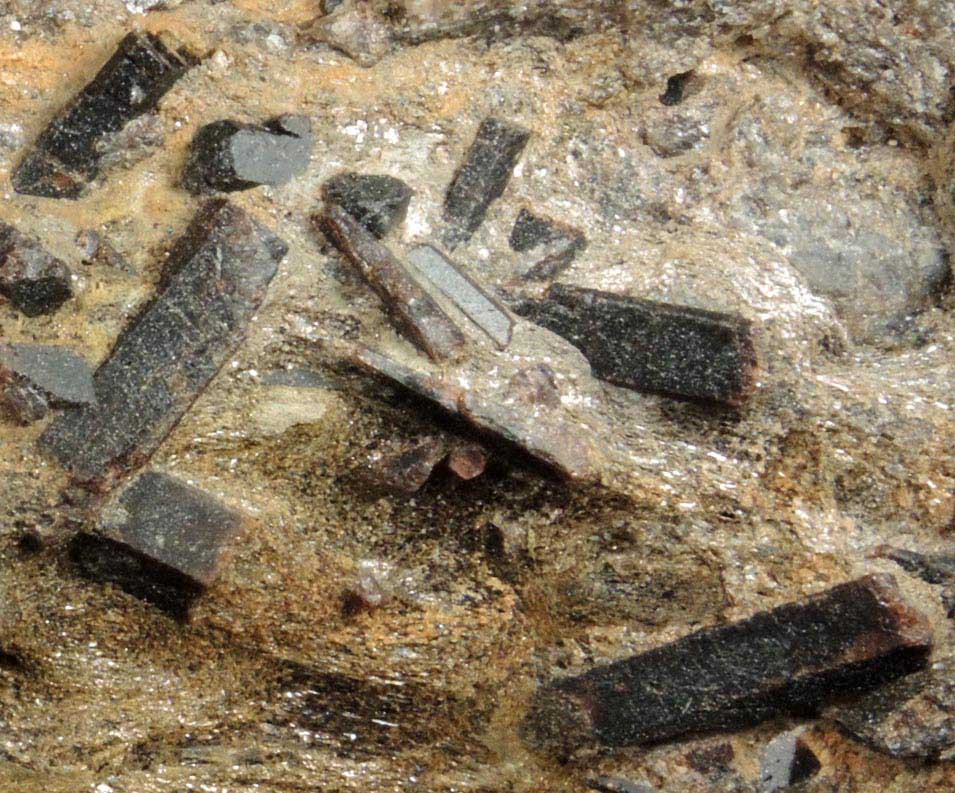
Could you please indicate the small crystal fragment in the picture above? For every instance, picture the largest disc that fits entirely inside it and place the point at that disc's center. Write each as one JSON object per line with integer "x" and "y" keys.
{"x": 97, "y": 250}
{"x": 228, "y": 155}
{"x": 412, "y": 308}
{"x": 214, "y": 281}
{"x": 132, "y": 82}
{"x": 370, "y": 590}
{"x": 610, "y": 784}
{"x": 467, "y": 460}
{"x": 30, "y": 278}
{"x": 787, "y": 660}
{"x": 787, "y": 761}
{"x": 159, "y": 539}
{"x": 476, "y": 304}
{"x": 379, "y": 203}
{"x": 913, "y": 717}
{"x": 933, "y": 568}
{"x": 482, "y": 177}
{"x": 938, "y": 568}
{"x": 406, "y": 467}
{"x": 549, "y": 247}
{"x": 656, "y": 347}
{"x": 34, "y": 377}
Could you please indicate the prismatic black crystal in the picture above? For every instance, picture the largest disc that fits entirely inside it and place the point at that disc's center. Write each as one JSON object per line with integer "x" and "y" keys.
{"x": 159, "y": 539}
{"x": 657, "y": 347}
{"x": 66, "y": 156}
{"x": 785, "y": 661}
{"x": 215, "y": 280}
{"x": 482, "y": 177}
{"x": 415, "y": 312}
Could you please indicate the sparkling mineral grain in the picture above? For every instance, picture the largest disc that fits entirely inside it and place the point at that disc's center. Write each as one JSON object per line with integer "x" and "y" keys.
{"x": 34, "y": 377}
{"x": 132, "y": 82}
{"x": 378, "y": 202}
{"x": 549, "y": 247}
{"x": 612, "y": 784}
{"x": 229, "y": 155}
{"x": 159, "y": 539}
{"x": 414, "y": 311}
{"x": 215, "y": 279}
{"x": 30, "y": 278}
{"x": 481, "y": 179}
{"x": 475, "y": 303}
{"x": 656, "y": 347}
{"x": 788, "y": 660}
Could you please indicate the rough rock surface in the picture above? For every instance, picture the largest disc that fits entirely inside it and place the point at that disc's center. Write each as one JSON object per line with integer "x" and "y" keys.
{"x": 716, "y": 154}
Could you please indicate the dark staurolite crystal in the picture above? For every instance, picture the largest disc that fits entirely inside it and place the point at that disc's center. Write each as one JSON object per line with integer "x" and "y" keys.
{"x": 33, "y": 377}
{"x": 474, "y": 301}
{"x": 413, "y": 310}
{"x": 30, "y": 278}
{"x": 159, "y": 539}
{"x": 229, "y": 155}
{"x": 481, "y": 179}
{"x": 215, "y": 280}
{"x": 379, "y": 203}
{"x": 551, "y": 247}
{"x": 657, "y": 347}
{"x": 66, "y": 157}
{"x": 785, "y": 661}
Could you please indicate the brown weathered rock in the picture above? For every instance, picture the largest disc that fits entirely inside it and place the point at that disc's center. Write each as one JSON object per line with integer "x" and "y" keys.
{"x": 787, "y": 660}
{"x": 414, "y": 311}
{"x": 214, "y": 281}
